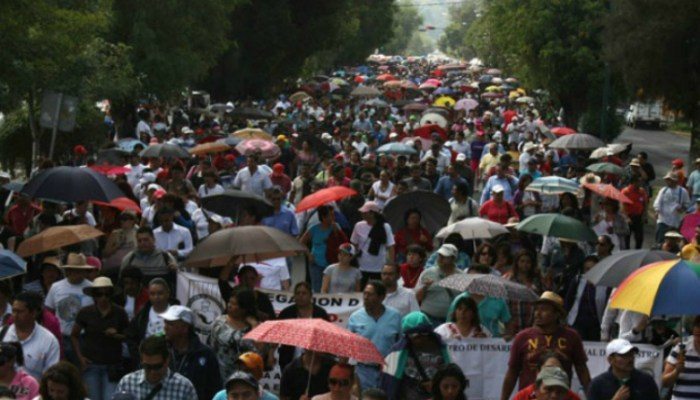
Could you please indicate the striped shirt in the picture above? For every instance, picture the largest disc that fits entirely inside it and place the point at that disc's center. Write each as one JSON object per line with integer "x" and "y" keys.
{"x": 174, "y": 386}
{"x": 688, "y": 383}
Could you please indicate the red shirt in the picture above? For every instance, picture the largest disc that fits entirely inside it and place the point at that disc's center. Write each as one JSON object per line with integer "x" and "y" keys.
{"x": 639, "y": 198}
{"x": 406, "y": 237}
{"x": 529, "y": 393}
{"x": 18, "y": 219}
{"x": 497, "y": 212}
{"x": 529, "y": 345}
{"x": 409, "y": 275}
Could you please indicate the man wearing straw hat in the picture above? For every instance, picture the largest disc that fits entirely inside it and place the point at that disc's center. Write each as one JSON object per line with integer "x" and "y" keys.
{"x": 547, "y": 332}
{"x": 66, "y": 298}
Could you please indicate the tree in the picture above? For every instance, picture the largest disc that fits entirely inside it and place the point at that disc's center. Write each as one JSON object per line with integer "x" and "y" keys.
{"x": 551, "y": 45}
{"x": 407, "y": 21}
{"x": 455, "y": 40}
{"x": 657, "y": 49}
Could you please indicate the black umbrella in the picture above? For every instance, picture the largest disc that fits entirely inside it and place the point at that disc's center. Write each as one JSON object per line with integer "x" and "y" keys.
{"x": 113, "y": 156}
{"x": 72, "y": 184}
{"x": 434, "y": 209}
{"x": 318, "y": 145}
{"x": 165, "y": 150}
{"x": 231, "y": 202}
{"x": 252, "y": 113}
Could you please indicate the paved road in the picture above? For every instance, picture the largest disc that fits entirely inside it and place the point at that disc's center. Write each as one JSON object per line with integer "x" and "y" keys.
{"x": 662, "y": 146}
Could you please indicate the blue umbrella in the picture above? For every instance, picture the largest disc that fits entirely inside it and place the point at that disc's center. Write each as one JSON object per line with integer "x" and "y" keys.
{"x": 553, "y": 185}
{"x": 444, "y": 90}
{"x": 485, "y": 78}
{"x": 15, "y": 186}
{"x": 11, "y": 264}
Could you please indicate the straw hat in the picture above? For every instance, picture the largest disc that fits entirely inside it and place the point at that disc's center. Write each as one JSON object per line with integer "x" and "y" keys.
{"x": 77, "y": 261}
{"x": 553, "y": 299}
{"x": 101, "y": 282}
{"x": 589, "y": 178}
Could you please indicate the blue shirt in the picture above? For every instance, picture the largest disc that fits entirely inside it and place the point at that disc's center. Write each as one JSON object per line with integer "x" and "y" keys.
{"x": 319, "y": 241}
{"x": 445, "y": 184}
{"x": 383, "y": 332}
{"x": 509, "y": 183}
{"x": 283, "y": 220}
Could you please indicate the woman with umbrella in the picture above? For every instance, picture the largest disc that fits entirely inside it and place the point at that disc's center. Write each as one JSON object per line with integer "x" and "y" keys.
{"x": 375, "y": 241}
{"x": 525, "y": 272}
{"x": 412, "y": 233}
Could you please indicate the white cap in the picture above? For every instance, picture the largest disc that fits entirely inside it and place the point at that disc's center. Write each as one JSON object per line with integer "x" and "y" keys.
{"x": 619, "y": 346}
{"x": 4, "y": 175}
{"x": 461, "y": 157}
{"x": 186, "y": 130}
{"x": 393, "y": 135}
{"x": 448, "y": 250}
{"x": 153, "y": 186}
{"x": 497, "y": 189}
{"x": 178, "y": 313}
{"x": 326, "y": 136}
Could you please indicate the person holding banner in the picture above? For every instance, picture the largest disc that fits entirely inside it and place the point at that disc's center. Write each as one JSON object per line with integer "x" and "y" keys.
{"x": 547, "y": 332}
{"x": 622, "y": 381}
{"x": 463, "y": 321}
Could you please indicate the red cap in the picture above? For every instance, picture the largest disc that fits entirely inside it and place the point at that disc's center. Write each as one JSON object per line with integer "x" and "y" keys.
{"x": 677, "y": 162}
{"x": 80, "y": 150}
{"x": 159, "y": 193}
{"x": 230, "y": 157}
{"x": 278, "y": 168}
{"x": 94, "y": 262}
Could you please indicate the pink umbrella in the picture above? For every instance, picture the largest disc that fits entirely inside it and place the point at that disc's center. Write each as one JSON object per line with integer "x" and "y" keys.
{"x": 252, "y": 146}
{"x": 690, "y": 222}
{"x": 433, "y": 82}
{"x": 466, "y": 104}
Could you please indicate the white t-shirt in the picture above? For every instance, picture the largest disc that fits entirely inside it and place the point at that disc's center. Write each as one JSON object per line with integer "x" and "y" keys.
{"x": 377, "y": 187}
{"x": 272, "y": 273}
{"x": 155, "y": 325}
{"x": 360, "y": 237}
{"x": 66, "y": 300}
{"x": 204, "y": 191}
{"x": 129, "y": 306}
{"x": 143, "y": 127}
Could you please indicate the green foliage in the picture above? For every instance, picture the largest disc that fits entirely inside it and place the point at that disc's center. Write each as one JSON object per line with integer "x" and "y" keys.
{"x": 407, "y": 21}
{"x": 455, "y": 40}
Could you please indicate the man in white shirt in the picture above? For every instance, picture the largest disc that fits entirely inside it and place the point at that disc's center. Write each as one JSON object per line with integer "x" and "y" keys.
{"x": 670, "y": 205}
{"x": 80, "y": 214}
{"x": 253, "y": 179}
{"x": 171, "y": 237}
{"x": 398, "y": 297}
{"x": 39, "y": 346}
{"x": 273, "y": 273}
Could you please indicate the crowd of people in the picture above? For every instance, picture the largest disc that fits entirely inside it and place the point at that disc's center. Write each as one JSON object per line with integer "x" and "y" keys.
{"x": 100, "y": 319}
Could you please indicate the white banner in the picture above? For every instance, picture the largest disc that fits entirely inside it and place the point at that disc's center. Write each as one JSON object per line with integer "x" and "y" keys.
{"x": 485, "y": 361}
{"x": 338, "y": 306}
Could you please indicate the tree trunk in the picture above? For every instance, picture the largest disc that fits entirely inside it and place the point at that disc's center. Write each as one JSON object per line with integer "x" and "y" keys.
{"x": 34, "y": 129}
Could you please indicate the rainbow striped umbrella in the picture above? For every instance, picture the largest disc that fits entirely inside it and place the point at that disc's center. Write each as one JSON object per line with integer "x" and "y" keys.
{"x": 668, "y": 287}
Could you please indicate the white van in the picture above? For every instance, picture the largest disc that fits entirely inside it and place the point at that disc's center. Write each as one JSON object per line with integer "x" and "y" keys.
{"x": 647, "y": 113}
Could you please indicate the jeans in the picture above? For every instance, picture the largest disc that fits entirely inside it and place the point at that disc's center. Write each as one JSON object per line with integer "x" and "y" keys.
{"x": 636, "y": 231}
{"x": 98, "y": 385}
{"x": 316, "y": 274}
{"x": 368, "y": 375}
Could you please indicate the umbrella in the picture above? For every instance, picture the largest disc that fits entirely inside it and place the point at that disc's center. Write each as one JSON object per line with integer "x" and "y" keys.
{"x": 230, "y": 140}
{"x": 365, "y": 91}
{"x": 610, "y": 149}
{"x": 466, "y": 104}
{"x": 386, "y": 77}
{"x": 435, "y": 210}
{"x": 444, "y": 101}
{"x": 245, "y": 243}
{"x": 396, "y": 148}
{"x": 485, "y": 78}
{"x": 113, "y": 155}
{"x": 299, "y": 96}
{"x": 489, "y": 285}
{"x": 473, "y": 228}
{"x": 15, "y": 186}
{"x": 427, "y": 86}
{"x": 324, "y": 196}
{"x": 392, "y": 84}
{"x": 563, "y": 131}
{"x": 254, "y": 146}
{"x": 221, "y": 108}
{"x": 558, "y": 226}
{"x": 317, "y": 335}
{"x": 577, "y": 141}
{"x": 71, "y": 184}
{"x": 209, "y": 148}
{"x": 491, "y": 95}
{"x": 11, "y": 264}
{"x": 231, "y": 202}
{"x": 426, "y": 131}
{"x": 252, "y": 133}
{"x": 164, "y": 150}
{"x": 605, "y": 168}
{"x": 130, "y": 143}
{"x": 340, "y": 81}
{"x": 434, "y": 82}
{"x": 613, "y": 269}
{"x": 608, "y": 191}
{"x": 434, "y": 119}
{"x": 377, "y": 103}
{"x": 106, "y": 169}
{"x": 553, "y": 185}
{"x": 545, "y": 132}
{"x": 406, "y": 84}
{"x": 411, "y": 140}
{"x": 415, "y": 107}
{"x": 525, "y": 100}
{"x": 56, "y": 237}
{"x": 493, "y": 71}
{"x": 668, "y": 287}
{"x": 493, "y": 88}
{"x": 252, "y": 113}
{"x": 444, "y": 90}
{"x": 121, "y": 204}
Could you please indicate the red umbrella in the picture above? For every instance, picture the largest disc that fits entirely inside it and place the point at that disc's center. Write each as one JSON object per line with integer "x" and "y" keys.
{"x": 433, "y": 82}
{"x": 107, "y": 169}
{"x": 121, "y": 204}
{"x": 562, "y": 131}
{"x": 358, "y": 79}
{"x": 426, "y": 131}
{"x": 324, "y": 196}
{"x": 607, "y": 190}
{"x": 317, "y": 335}
{"x": 386, "y": 77}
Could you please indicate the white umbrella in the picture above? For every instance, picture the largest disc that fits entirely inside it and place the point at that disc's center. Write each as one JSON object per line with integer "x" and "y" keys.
{"x": 609, "y": 150}
{"x": 434, "y": 118}
{"x": 577, "y": 141}
{"x": 473, "y": 228}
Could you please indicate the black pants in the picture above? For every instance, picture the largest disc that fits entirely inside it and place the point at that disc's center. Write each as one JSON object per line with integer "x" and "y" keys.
{"x": 636, "y": 230}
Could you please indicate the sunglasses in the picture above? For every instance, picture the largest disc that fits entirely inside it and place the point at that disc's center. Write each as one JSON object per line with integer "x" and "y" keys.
{"x": 339, "y": 382}
{"x": 153, "y": 367}
{"x": 100, "y": 294}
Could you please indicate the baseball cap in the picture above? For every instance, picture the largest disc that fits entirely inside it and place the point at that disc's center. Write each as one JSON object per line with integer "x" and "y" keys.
{"x": 148, "y": 177}
{"x": 178, "y": 313}
{"x": 461, "y": 157}
{"x": 253, "y": 362}
{"x": 241, "y": 376}
{"x": 448, "y": 250}
{"x": 553, "y": 376}
{"x": 620, "y": 346}
{"x": 348, "y": 248}
{"x": 497, "y": 189}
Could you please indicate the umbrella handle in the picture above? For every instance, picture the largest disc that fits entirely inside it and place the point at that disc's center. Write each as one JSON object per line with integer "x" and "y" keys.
{"x": 308, "y": 382}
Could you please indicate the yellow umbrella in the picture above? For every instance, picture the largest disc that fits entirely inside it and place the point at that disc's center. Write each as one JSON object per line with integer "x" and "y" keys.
{"x": 444, "y": 101}
{"x": 252, "y": 133}
{"x": 493, "y": 88}
{"x": 208, "y": 148}
{"x": 521, "y": 91}
{"x": 514, "y": 94}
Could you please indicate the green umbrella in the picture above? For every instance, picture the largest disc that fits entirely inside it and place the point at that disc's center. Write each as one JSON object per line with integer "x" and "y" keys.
{"x": 605, "y": 168}
{"x": 559, "y": 226}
